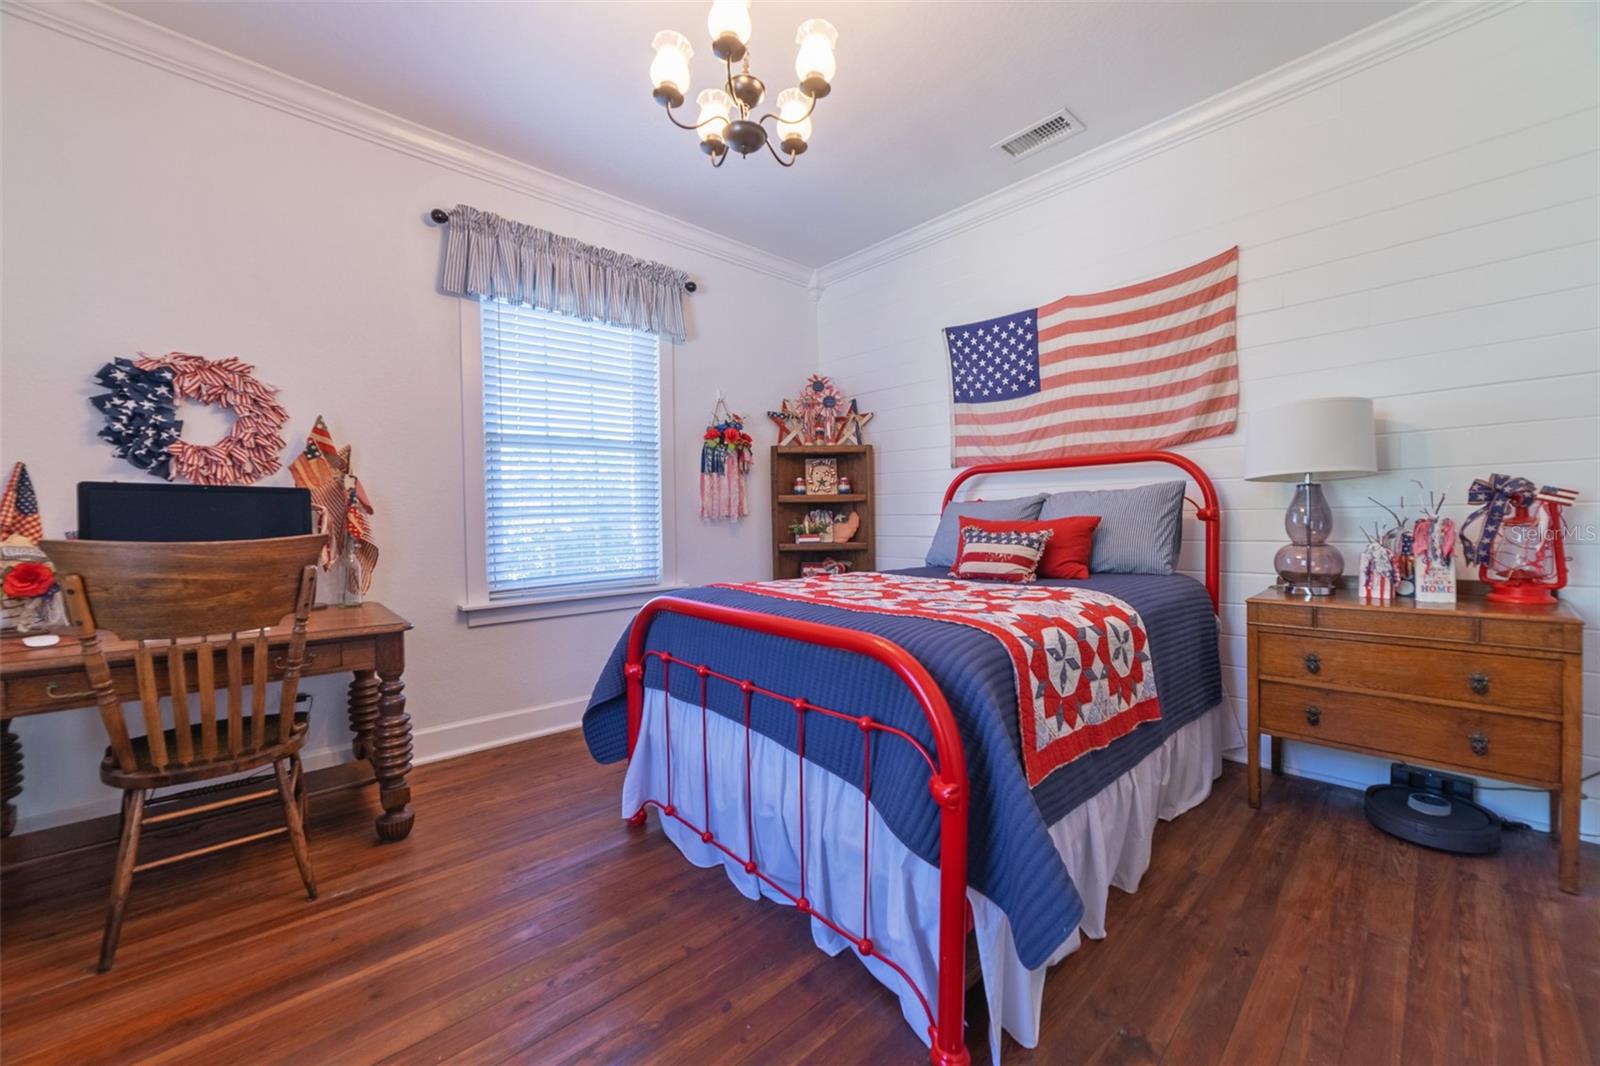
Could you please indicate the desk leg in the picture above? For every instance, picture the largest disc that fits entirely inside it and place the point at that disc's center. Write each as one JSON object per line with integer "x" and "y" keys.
{"x": 390, "y": 747}
{"x": 363, "y": 712}
{"x": 10, "y": 777}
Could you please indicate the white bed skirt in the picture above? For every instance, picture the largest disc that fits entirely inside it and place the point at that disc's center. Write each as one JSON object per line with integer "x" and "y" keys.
{"x": 1104, "y": 841}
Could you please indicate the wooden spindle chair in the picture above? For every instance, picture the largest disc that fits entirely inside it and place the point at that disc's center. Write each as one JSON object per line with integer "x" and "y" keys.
{"x": 186, "y": 603}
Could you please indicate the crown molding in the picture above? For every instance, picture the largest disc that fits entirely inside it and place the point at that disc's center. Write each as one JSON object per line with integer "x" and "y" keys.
{"x": 1382, "y": 41}
{"x": 134, "y": 38}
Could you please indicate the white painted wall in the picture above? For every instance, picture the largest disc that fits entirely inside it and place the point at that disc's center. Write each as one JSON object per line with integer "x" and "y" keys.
{"x": 1422, "y": 231}
{"x": 145, "y": 210}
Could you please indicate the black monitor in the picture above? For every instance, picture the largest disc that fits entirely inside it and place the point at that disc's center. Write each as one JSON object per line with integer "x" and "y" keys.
{"x": 114, "y": 510}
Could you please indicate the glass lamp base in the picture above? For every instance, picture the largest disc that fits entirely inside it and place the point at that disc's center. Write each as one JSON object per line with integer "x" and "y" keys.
{"x": 1308, "y": 569}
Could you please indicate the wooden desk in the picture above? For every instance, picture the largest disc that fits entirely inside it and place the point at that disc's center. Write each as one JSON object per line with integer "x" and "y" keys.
{"x": 1474, "y": 687}
{"x": 367, "y": 641}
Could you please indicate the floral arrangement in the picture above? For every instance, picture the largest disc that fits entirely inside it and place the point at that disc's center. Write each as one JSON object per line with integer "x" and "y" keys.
{"x": 727, "y": 453}
{"x": 720, "y": 439}
{"x": 817, "y": 526}
{"x": 27, "y": 581}
{"x": 29, "y": 586}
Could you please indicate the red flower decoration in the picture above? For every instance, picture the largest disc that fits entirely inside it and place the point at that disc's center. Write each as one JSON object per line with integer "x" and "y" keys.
{"x": 711, "y": 433}
{"x": 25, "y": 581}
{"x": 730, "y": 435}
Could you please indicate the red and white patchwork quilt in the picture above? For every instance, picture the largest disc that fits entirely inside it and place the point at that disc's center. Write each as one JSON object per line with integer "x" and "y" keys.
{"x": 1082, "y": 659}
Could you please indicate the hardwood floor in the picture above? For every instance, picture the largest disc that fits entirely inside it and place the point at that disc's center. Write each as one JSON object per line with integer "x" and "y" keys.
{"x": 524, "y": 922}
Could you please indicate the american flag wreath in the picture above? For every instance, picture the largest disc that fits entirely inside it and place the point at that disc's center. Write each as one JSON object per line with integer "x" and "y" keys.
{"x": 142, "y": 424}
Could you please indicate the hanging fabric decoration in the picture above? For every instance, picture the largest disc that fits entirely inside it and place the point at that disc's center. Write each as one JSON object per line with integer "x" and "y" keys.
{"x": 725, "y": 459}
{"x": 143, "y": 427}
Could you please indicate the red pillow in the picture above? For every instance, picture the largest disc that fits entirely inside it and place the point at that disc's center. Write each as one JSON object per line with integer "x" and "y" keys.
{"x": 1066, "y": 554}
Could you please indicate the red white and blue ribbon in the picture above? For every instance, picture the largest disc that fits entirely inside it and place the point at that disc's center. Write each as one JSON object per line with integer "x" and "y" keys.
{"x": 1494, "y": 493}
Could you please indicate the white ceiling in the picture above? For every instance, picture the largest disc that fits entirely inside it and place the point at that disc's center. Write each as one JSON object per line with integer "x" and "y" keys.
{"x": 923, "y": 90}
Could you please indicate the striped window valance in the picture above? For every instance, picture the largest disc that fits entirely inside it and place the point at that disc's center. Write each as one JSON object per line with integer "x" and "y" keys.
{"x": 487, "y": 255}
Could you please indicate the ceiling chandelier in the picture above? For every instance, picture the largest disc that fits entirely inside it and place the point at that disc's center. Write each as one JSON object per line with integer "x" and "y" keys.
{"x": 725, "y": 120}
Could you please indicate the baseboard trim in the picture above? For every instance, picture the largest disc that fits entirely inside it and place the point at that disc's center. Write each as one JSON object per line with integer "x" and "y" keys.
{"x": 440, "y": 742}
{"x": 94, "y": 824}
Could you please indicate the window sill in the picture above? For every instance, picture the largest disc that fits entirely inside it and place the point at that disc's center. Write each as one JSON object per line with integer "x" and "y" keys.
{"x": 534, "y": 608}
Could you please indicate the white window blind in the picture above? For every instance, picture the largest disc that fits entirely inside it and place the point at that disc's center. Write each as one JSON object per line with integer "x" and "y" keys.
{"x": 572, "y": 453}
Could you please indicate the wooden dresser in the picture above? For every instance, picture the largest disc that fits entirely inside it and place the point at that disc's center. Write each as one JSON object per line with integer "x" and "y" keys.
{"x": 1476, "y": 687}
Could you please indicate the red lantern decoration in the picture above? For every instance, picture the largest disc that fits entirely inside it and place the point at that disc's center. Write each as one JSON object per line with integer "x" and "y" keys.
{"x": 1526, "y": 559}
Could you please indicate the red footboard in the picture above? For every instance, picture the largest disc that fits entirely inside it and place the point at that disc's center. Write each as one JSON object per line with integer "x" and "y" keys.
{"x": 947, "y": 768}
{"x": 947, "y": 785}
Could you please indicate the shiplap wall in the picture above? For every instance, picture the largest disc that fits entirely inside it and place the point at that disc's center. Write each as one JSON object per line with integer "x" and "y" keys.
{"x": 1422, "y": 232}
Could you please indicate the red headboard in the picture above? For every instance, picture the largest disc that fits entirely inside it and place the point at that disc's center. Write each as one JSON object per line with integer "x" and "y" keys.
{"x": 1207, "y": 511}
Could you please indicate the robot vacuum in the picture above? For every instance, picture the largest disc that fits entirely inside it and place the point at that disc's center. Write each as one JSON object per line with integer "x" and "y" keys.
{"x": 1429, "y": 809}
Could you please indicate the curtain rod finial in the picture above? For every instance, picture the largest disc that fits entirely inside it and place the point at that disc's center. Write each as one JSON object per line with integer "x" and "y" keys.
{"x": 689, "y": 286}
{"x": 439, "y": 215}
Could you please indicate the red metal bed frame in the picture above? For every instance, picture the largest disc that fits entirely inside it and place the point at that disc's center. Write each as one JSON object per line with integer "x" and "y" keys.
{"x": 947, "y": 766}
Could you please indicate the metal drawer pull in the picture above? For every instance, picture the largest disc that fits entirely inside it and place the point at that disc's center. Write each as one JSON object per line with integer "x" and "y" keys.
{"x": 281, "y": 661}
{"x": 1480, "y": 743}
{"x": 1479, "y": 683}
{"x": 53, "y": 690}
{"x": 1313, "y": 715}
{"x": 1313, "y": 664}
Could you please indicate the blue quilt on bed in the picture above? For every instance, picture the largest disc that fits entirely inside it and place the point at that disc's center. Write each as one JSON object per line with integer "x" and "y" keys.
{"x": 1010, "y": 857}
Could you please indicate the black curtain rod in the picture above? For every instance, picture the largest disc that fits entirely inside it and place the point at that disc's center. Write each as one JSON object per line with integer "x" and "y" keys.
{"x": 442, "y": 217}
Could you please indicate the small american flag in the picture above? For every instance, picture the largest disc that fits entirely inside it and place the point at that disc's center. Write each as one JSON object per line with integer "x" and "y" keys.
{"x": 340, "y": 501}
{"x": 1559, "y": 496}
{"x": 19, "y": 508}
{"x": 1145, "y": 366}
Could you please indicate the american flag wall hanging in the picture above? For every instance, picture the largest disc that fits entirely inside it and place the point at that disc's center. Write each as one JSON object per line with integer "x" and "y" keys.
{"x": 1141, "y": 367}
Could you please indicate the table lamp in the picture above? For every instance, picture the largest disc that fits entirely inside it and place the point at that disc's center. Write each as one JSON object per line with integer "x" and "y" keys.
{"x": 1308, "y": 442}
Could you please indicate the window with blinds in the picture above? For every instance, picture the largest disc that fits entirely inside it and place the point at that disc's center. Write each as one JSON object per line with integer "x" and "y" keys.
{"x": 572, "y": 453}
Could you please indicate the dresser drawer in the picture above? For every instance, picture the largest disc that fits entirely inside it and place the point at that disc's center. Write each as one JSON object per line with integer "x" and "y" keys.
{"x": 1494, "y": 744}
{"x": 1464, "y": 675}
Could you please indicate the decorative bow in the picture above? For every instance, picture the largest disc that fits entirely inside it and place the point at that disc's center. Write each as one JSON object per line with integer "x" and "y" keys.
{"x": 1495, "y": 493}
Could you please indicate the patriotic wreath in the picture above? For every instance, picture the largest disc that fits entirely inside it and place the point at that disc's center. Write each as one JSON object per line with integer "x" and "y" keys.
{"x": 142, "y": 426}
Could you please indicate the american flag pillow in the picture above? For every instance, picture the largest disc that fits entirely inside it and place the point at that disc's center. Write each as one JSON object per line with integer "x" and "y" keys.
{"x": 1000, "y": 555}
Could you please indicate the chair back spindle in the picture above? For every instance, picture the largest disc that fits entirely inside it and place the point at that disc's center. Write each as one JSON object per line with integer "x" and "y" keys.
{"x": 186, "y": 602}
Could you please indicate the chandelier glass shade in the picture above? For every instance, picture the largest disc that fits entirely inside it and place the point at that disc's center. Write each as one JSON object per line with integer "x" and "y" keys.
{"x": 725, "y": 121}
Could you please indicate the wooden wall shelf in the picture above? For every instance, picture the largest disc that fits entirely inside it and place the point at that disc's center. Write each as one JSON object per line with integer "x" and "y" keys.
{"x": 789, "y": 507}
{"x": 849, "y": 497}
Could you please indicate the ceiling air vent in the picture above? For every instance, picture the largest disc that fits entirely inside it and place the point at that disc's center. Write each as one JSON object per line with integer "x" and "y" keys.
{"x": 1056, "y": 127}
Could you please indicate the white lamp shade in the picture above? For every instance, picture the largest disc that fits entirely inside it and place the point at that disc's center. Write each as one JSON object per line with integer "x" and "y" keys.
{"x": 817, "y": 39}
{"x": 670, "y": 68}
{"x": 792, "y": 104}
{"x": 729, "y": 18}
{"x": 1328, "y": 437}
{"x": 715, "y": 107}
